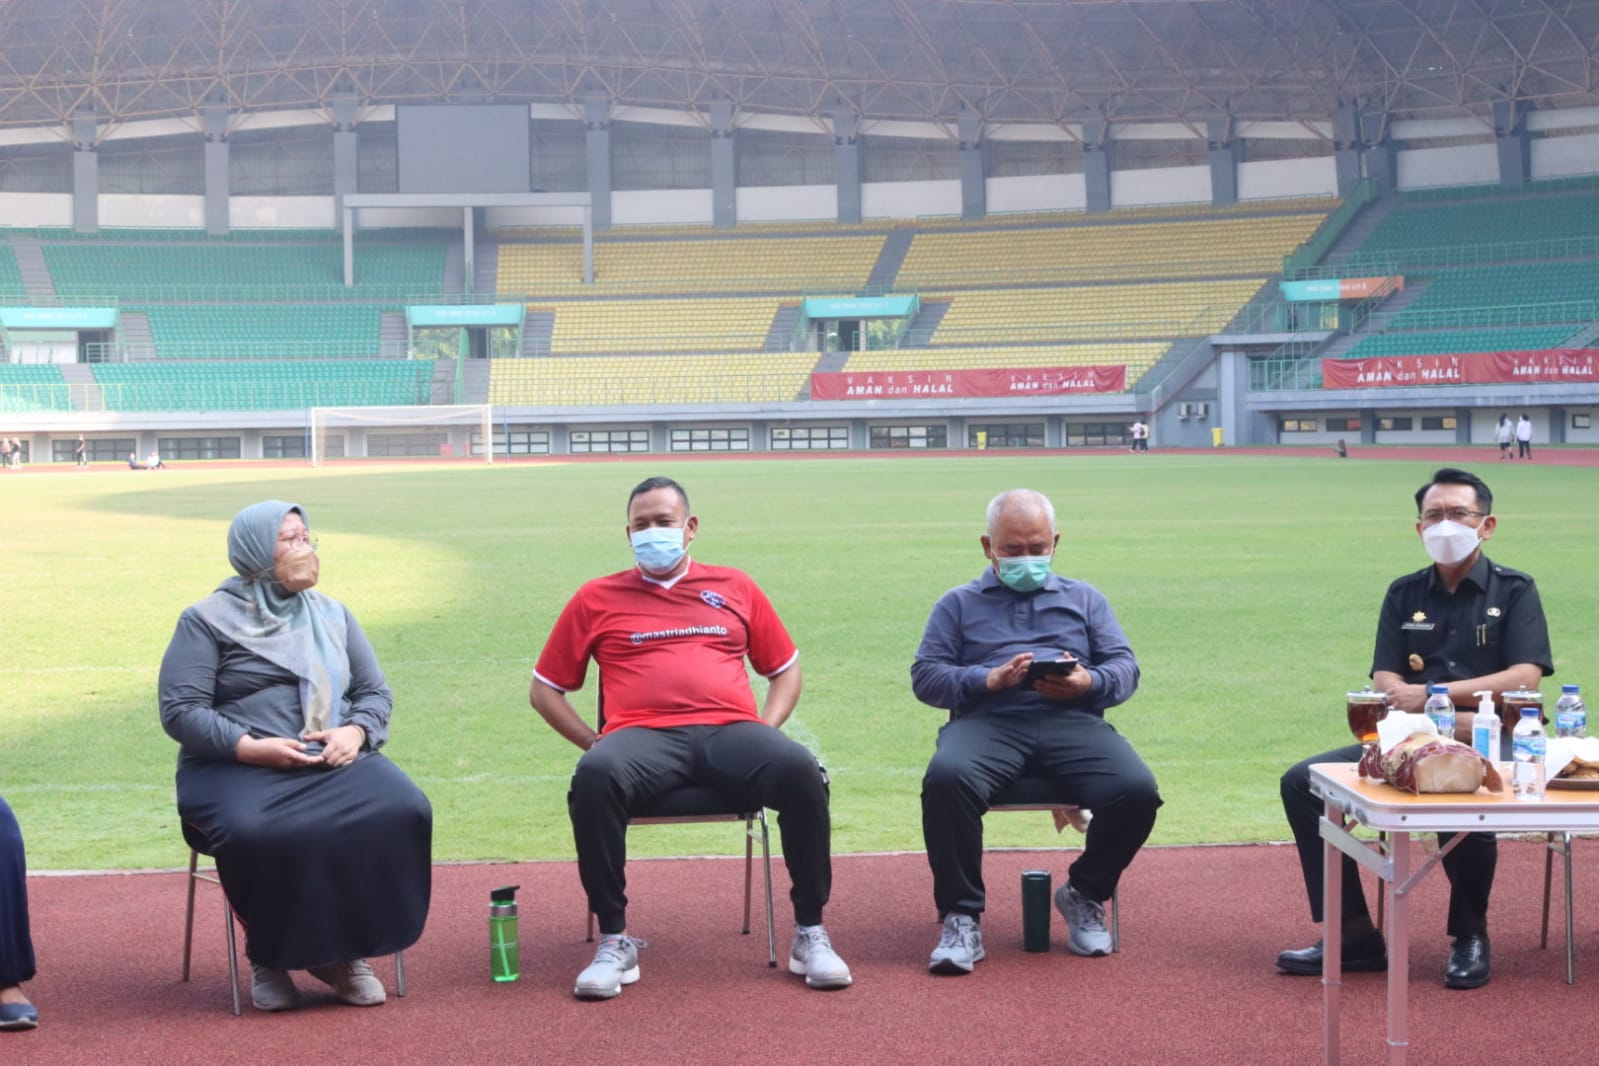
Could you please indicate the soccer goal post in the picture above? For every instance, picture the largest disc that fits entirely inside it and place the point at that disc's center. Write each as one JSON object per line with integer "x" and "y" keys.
{"x": 447, "y": 431}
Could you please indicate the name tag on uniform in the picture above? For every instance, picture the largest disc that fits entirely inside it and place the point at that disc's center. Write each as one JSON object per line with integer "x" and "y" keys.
{"x": 1424, "y": 627}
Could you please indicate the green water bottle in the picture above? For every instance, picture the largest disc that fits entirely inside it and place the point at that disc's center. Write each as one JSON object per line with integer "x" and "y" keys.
{"x": 505, "y": 955}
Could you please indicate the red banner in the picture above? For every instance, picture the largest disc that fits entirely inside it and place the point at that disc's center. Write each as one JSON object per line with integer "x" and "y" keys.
{"x": 950, "y": 384}
{"x": 1550, "y": 365}
{"x": 1360, "y": 288}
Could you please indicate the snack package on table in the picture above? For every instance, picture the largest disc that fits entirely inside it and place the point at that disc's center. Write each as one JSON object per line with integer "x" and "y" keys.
{"x": 1409, "y": 754}
{"x": 1572, "y": 758}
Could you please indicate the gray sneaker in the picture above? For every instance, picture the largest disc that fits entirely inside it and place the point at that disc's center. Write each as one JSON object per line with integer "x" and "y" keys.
{"x": 272, "y": 990}
{"x": 615, "y": 964}
{"x": 812, "y": 954}
{"x": 353, "y": 982}
{"x": 960, "y": 946}
{"x": 1085, "y": 922}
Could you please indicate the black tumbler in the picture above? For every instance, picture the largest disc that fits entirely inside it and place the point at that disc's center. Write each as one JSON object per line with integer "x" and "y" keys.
{"x": 1035, "y": 910}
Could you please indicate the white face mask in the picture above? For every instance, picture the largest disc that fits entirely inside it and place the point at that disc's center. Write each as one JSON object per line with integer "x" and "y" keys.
{"x": 1449, "y": 542}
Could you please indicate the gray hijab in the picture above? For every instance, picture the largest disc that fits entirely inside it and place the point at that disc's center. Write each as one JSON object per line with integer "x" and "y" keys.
{"x": 302, "y": 632}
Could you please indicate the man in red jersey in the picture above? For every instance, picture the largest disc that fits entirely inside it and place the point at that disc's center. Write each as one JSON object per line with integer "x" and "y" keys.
{"x": 671, "y": 637}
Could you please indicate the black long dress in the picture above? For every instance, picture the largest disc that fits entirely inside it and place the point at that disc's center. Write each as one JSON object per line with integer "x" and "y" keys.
{"x": 16, "y": 944}
{"x": 321, "y": 865}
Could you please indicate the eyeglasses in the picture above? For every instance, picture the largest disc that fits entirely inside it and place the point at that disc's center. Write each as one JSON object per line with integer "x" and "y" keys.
{"x": 1454, "y": 514}
{"x": 307, "y": 541}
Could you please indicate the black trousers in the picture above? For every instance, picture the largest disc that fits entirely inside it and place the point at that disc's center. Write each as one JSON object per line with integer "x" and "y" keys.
{"x": 1523, "y": 449}
{"x": 1469, "y": 867}
{"x": 980, "y": 754}
{"x": 16, "y": 944}
{"x": 752, "y": 762}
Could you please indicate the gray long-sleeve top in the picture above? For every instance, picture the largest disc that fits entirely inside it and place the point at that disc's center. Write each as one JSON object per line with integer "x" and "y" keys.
{"x": 214, "y": 691}
{"x": 983, "y": 624}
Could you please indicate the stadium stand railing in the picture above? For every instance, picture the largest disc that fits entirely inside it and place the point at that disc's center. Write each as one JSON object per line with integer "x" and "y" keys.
{"x": 28, "y": 388}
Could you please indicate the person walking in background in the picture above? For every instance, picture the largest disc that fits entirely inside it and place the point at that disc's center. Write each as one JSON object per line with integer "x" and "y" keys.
{"x": 1524, "y": 438}
{"x": 16, "y": 944}
{"x": 16, "y": 454}
{"x": 1504, "y": 432}
{"x": 1140, "y": 434}
{"x": 5, "y": 453}
{"x": 80, "y": 451}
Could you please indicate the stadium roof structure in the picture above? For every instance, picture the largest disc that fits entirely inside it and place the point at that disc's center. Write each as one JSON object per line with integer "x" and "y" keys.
{"x": 1012, "y": 61}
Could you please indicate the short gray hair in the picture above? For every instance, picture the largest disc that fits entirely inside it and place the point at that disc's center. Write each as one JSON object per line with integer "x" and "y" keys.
{"x": 1022, "y": 496}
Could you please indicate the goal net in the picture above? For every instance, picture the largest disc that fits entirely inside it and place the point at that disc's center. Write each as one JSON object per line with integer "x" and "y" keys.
{"x": 441, "y": 431}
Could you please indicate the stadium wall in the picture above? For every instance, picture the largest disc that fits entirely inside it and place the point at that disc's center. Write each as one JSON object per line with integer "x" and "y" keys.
{"x": 287, "y": 212}
{"x": 133, "y": 209}
{"x": 910, "y": 199}
{"x": 1469, "y": 164}
{"x": 787, "y": 203}
{"x": 1396, "y": 417}
{"x": 1279, "y": 178}
{"x": 1562, "y": 146}
{"x": 1062, "y": 192}
{"x": 1561, "y": 157}
{"x": 35, "y": 209}
{"x": 1171, "y": 185}
{"x": 659, "y": 206}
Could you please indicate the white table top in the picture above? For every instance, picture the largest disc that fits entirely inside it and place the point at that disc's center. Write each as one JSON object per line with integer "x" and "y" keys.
{"x": 1381, "y": 806}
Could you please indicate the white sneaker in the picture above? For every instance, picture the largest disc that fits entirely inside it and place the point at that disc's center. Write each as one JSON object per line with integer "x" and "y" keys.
{"x": 960, "y": 946}
{"x": 1085, "y": 922}
{"x": 812, "y": 955}
{"x": 353, "y": 982}
{"x": 272, "y": 990}
{"x": 615, "y": 964}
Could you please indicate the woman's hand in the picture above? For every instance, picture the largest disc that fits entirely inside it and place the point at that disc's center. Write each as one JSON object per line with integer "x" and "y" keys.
{"x": 341, "y": 745}
{"x": 280, "y": 753}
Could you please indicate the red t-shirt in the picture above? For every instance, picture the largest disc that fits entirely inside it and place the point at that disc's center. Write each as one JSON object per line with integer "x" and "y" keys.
{"x": 669, "y": 656}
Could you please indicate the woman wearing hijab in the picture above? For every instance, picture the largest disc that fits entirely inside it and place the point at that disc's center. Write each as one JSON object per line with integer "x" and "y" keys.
{"x": 322, "y": 844}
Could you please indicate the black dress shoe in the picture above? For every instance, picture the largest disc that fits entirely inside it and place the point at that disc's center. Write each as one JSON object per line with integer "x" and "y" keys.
{"x": 1468, "y": 962}
{"x": 1361, "y": 954}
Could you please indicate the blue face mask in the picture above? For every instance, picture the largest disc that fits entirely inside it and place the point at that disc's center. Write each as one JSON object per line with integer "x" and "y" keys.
{"x": 658, "y": 549}
{"x": 1024, "y": 573}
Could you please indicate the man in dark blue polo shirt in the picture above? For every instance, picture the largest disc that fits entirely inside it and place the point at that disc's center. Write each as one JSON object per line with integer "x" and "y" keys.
{"x": 1465, "y": 621}
{"x": 973, "y": 661}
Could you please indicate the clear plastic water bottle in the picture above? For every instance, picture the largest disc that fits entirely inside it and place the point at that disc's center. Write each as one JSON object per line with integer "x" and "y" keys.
{"x": 1571, "y": 714}
{"x": 1529, "y": 745}
{"x": 1441, "y": 709}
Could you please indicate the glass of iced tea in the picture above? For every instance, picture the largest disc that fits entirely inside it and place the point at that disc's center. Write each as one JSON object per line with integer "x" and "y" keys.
{"x": 1512, "y": 702}
{"x": 1364, "y": 709}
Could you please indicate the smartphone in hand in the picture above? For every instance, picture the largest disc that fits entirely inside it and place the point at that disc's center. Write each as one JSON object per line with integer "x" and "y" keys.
{"x": 1049, "y": 668}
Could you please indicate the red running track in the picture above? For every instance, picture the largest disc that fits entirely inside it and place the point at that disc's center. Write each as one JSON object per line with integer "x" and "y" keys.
{"x": 1194, "y": 982}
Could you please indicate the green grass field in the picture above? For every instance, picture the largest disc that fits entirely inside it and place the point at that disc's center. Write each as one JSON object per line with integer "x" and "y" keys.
{"x": 1248, "y": 586}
